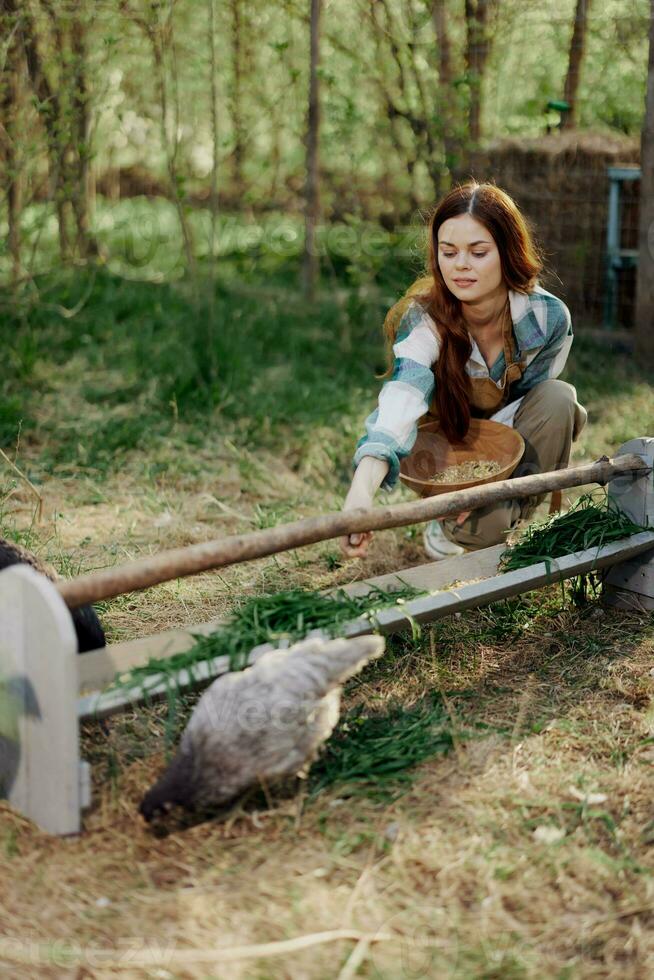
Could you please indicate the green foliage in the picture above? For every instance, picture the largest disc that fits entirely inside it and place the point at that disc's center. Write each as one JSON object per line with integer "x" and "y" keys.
{"x": 372, "y": 753}
{"x": 591, "y": 522}
{"x": 13, "y": 416}
{"x": 142, "y": 363}
{"x": 244, "y": 351}
{"x": 287, "y": 616}
{"x": 384, "y": 113}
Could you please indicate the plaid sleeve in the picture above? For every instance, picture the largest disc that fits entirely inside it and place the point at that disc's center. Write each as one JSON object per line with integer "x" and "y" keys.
{"x": 548, "y": 361}
{"x": 391, "y": 428}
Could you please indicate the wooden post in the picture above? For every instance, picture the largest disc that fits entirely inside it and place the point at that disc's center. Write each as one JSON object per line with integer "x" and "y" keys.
{"x": 630, "y": 584}
{"x": 39, "y": 754}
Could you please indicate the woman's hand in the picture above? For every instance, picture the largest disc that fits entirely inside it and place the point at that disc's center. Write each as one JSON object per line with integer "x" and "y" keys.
{"x": 366, "y": 481}
{"x": 356, "y": 545}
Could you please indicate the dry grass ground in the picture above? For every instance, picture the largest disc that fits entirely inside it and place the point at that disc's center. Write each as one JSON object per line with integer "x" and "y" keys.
{"x": 524, "y": 853}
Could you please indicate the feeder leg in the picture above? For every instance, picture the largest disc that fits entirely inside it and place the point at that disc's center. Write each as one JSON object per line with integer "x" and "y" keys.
{"x": 630, "y": 584}
{"x": 39, "y": 751}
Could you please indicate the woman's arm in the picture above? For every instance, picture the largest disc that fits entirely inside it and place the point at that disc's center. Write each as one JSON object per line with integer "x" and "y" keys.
{"x": 366, "y": 481}
{"x": 391, "y": 429}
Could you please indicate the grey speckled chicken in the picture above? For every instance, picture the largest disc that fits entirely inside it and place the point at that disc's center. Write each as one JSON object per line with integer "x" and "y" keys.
{"x": 261, "y": 724}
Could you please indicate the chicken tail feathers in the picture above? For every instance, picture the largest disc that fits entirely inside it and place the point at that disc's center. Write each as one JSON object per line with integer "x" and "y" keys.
{"x": 326, "y": 665}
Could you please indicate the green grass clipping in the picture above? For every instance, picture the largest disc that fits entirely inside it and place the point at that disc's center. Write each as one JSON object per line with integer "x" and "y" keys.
{"x": 593, "y": 521}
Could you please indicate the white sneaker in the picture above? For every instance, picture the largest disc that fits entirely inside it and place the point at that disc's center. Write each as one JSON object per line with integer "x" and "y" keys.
{"x": 436, "y": 545}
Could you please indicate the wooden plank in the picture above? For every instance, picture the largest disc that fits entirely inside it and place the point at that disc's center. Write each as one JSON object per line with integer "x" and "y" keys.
{"x": 99, "y": 704}
{"x": 635, "y": 575}
{"x": 634, "y": 492}
{"x": 425, "y": 609}
{"x": 504, "y": 585}
{"x": 438, "y": 574}
{"x": 39, "y": 754}
{"x": 98, "y": 668}
{"x": 630, "y": 584}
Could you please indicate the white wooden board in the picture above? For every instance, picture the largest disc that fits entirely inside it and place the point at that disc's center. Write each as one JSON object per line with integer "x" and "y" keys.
{"x": 634, "y": 492}
{"x": 629, "y": 584}
{"x": 435, "y": 575}
{"x": 637, "y": 575}
{"x": 98, "y": 668}
{"x": 39, "y": 756}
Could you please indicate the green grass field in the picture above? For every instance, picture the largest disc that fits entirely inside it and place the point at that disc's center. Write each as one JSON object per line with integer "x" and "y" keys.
{"x": 150, "y": 414}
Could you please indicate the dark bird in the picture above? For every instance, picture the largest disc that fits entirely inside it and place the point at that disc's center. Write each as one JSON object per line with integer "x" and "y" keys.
{"x": 90, "y": 635}
{"x": 260, "y": 725}
{"x": 17, "y": 698}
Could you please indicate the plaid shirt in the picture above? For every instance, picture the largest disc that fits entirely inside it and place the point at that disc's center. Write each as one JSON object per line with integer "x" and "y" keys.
{"x": 543, "y": 336}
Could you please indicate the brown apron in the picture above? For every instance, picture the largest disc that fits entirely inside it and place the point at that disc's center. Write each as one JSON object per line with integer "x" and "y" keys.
{"x": 486, "y": 397}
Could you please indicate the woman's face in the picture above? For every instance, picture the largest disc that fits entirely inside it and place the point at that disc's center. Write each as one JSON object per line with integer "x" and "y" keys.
{"x": 468, "y": 259}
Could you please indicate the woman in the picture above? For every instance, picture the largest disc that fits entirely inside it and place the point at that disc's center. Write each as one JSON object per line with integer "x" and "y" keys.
{"x": 477, "y": 338}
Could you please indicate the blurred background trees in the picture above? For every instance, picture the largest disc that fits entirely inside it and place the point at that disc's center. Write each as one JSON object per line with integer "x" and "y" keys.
{"x": 220, "y": 107}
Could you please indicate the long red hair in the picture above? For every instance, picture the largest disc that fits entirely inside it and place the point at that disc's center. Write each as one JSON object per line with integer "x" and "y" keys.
{"x": 521, "y": 262}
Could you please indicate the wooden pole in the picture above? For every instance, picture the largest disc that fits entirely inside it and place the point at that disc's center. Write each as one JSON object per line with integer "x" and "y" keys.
{"x": 195, "y": 558}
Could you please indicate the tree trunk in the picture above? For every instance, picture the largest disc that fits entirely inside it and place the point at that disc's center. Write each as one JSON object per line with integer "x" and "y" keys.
{"x": 238, "y": 152}
{"x": 86, "y": 242}
{"x": 213, "y": 89}
{"x": 439, "y": 18}
{"x": 433, "y": 128}
{"x": 645, "y": 280}
{"x": 50, "y": 111}
{"x": 59, "y": 121}
{"x": 575, "y": 59}
{"x": 451, "y": 145}
{"x": 401, "y": 108}
{"x": 13, "y": 161}
{"x": 310, "y": 261}
{"x": 158, "y": 36}
{"x": 476, "y": 56}
{"x": 213, "y": 196}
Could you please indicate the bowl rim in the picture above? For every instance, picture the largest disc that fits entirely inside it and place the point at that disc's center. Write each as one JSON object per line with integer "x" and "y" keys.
{"x": 511, "y": 465}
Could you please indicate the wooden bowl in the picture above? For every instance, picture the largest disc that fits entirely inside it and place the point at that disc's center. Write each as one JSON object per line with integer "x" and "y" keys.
{"x": 432, "y": 454}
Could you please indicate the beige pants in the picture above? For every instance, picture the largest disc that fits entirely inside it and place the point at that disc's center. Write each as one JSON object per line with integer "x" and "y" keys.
{"x": 548, "y": 419}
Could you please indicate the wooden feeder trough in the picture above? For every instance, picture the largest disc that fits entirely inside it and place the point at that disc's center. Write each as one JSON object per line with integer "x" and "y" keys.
{"x": 46, "y": 689}
{"x": 432, "y": 453}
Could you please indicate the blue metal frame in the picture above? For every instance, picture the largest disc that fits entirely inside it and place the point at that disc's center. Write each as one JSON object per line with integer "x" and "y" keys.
{"x": 616, "y": 258}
